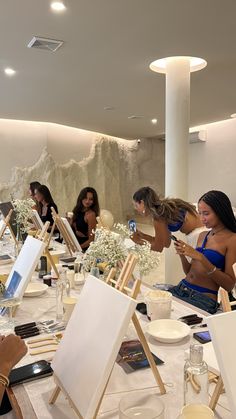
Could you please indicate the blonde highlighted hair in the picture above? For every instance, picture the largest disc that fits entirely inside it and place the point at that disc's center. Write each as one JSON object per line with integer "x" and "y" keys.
{"x": 169, "y": 209}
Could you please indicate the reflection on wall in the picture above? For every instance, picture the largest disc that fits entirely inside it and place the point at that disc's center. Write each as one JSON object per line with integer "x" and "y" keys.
{"x": 115, "y": 167}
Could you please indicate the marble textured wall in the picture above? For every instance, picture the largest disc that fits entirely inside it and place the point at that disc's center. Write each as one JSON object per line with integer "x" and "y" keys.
{"x": 116, "y": 168}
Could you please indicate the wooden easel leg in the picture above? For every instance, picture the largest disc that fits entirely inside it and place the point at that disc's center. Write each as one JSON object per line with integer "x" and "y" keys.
{"x": 148, "y": 354}
{"x": 216, "y": 394}
{"x": 54, "y": 395}
{"x": 48, "y": 254}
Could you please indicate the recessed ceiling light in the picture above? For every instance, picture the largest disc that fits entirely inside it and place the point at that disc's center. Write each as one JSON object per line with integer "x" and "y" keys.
{"x": 154, "y": 121}
{"x": 109, "y": 108}
{"x": 9, "y": 71}
{"x": 58, "y": 6}
{"x": 135, "y": 117}
{"x": 233, "y": 115}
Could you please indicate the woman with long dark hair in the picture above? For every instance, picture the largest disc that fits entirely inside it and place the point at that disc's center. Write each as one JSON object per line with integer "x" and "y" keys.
{"x": 84, "y": 216}
{"x": 212, "y": 260}
{"x": 169, "y": 215}
{"x": 45, "y": 201}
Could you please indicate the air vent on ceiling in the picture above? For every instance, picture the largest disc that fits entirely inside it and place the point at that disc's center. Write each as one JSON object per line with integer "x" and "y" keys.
{"x": 45, "y": 43}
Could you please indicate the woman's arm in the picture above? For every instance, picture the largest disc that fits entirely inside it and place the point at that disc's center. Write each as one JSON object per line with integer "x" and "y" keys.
{"x": 162, "y": 236}
{"x": 12, "y": 349}
{"x": 185, "y": 264}
{"x": 90, "y": 219}
{"x": 224, "y": 279}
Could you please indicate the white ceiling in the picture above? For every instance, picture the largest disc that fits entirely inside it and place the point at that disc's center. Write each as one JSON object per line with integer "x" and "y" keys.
{"x": 109, "y": 45}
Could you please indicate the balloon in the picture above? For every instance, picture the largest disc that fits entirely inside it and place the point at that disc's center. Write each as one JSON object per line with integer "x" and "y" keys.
{"x": 106, "y": 218}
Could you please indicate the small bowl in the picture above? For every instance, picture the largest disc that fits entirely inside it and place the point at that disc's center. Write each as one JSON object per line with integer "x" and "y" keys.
{"x": 168, "y": 330}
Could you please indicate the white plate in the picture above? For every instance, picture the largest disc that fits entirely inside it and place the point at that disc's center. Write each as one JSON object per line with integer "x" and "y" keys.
{"x": 35, "y": 289}
{"x": 168, "y": 331}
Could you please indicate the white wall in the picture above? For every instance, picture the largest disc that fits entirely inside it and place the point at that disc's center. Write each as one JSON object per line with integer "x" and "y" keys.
{"x": 213, "y": 163}
{"x": 67, "y": 159}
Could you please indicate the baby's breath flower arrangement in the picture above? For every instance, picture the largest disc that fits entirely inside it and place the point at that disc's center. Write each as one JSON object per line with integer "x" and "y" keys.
{"x": 23, "y": 210}
{"x": 107, "y": 247}
{"x": 110, "y": 247}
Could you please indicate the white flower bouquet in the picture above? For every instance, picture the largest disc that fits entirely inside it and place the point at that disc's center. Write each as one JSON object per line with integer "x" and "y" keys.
{"x": 109, "y": 247}
{"x": 23, "y": 210}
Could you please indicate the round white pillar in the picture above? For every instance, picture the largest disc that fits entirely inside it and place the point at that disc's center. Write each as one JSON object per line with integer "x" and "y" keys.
{"x": 177, "y": 127}
{"x": 177, "y": 70}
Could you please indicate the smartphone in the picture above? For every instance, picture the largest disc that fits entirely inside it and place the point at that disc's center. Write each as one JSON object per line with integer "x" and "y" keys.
{"x": 30, "y": 372}
{"x": 202, "y": 337}
{"x": 132, "y": 226}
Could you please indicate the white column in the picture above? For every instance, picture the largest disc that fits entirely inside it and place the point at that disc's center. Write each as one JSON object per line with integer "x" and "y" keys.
{"x": 177, "y": 126}
{"x": 177, "y": 70}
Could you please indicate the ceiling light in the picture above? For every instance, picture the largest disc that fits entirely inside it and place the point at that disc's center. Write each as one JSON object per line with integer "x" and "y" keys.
{"x": 109, "y": 108}
{"x": 233, "y": 115}
{"x": 154, "y": 121}
{"x": 58, "y": 6}
{"x": 9, "y": 71}
{"x": 159, "y": 66}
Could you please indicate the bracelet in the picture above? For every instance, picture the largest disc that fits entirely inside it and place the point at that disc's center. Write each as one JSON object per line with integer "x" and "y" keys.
{"x": 213, "y": 270}
{"x": 4, "y": 380}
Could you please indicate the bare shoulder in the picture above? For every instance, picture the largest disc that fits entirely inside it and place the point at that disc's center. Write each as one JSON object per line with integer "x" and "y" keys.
{"x": 90, "y": 215}
{"x": 232, "y": 241}
{"x": 202, "y": 236}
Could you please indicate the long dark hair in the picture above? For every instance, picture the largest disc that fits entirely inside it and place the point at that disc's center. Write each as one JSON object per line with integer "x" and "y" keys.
{"x": 170, "y": 210}
{"x": 82, "y": 195}
{"x": 221, "y": 205}
{"x": 43, "y": 190}
{"x": 34, "y": 185}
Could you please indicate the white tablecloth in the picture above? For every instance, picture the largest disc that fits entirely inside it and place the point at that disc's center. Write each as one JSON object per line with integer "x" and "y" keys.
{"x": 43, "y": 308}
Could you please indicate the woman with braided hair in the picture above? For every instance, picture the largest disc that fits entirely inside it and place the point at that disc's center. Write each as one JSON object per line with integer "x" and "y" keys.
{"x": 169, "y": 215}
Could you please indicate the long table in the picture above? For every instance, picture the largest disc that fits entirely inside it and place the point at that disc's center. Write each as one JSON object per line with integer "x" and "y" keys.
{"x": 33, "y": 397}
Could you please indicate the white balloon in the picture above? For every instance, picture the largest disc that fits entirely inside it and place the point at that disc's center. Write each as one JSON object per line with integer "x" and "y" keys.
{"x": 106, "y": 218}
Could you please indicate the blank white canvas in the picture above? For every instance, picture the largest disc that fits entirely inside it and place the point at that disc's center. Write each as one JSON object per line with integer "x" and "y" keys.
{"x": 37, "y": 220}
{"x": 88, "y": 350}
{"x": 26, "y": 263}
{"x": 2, "y": 227}
{"x": 71, "y": 234}
{"x": 222, "y": 329}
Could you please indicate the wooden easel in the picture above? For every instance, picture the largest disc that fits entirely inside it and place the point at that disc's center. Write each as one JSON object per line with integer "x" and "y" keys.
{"x": 43, "y": 236}
{"x": 127, "y": 284}
{"x": 124, "y": 285}
{"x": 7, "y": 222}
{"x": 64, "y": 233}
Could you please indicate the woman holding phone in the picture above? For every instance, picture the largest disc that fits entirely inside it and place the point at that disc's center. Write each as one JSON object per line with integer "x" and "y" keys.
{"x": 169, "y": 215}
{"x": 211, "y": 265}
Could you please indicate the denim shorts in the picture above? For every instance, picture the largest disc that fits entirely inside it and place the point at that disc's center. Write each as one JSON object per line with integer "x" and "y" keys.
{"x": 196, "y": 298}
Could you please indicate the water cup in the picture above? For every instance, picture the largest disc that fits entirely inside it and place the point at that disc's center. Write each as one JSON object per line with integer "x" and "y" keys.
{"x": 141, "y": 406}
{"x": 70, "y": 275}
{"x": 158, "y": 304}
{"x": 196, "y": 411}
{"x": 68, "y": 307}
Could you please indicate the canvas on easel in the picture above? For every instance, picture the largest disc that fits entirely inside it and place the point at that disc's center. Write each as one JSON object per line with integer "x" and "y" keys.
{"x": 36, "y": 220}
{"x": 66, "y": 232}
{"x": 103, "y": 308}
{"x": 24, "y": 267}
{"x": 9, "y": 215}
{"x": 85, "y": 358}
{"x": 222, "y": 328}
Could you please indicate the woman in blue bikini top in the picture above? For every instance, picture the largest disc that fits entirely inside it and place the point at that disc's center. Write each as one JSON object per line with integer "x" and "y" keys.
{"x": 169, "y": 215}
{"x": 212, "y": 260}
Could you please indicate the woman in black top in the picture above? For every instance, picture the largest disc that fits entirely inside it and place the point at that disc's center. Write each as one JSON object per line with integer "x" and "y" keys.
{"x": 84, "y": 216}
{"x": 45, "y": 200}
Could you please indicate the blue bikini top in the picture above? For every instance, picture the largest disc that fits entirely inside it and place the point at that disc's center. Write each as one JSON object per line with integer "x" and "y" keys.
{"x": 215, "y": 257}
{"x": 173, "y": 227}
